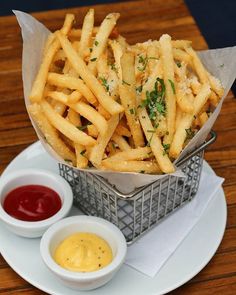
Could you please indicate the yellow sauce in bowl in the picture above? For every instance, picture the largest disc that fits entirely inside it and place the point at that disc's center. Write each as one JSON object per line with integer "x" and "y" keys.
{"x": 83, "y": 252}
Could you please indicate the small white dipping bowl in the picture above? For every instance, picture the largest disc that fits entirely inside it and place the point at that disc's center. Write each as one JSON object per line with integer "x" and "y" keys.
{"x": 90, "y": 224}
{"x": 34, "y": 229}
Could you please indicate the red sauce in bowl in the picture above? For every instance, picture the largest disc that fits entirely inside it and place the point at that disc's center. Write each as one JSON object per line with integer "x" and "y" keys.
{"x": 32, "y": 203}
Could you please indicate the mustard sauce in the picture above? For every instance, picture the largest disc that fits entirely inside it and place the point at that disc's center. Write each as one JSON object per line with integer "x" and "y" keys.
{"x": 83, "y": 252}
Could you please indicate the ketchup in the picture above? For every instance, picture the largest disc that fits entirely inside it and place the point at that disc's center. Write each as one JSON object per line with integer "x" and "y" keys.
{"x": 32, "y": 203}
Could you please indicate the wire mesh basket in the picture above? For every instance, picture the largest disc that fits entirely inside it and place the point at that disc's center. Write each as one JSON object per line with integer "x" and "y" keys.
{"x": 137, "y": 212}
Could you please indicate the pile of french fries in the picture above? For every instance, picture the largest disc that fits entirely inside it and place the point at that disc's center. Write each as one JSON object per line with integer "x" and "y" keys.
{"x": 103, "y": 103}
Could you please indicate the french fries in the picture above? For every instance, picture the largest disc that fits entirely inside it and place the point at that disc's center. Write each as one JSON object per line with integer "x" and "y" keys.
{"x": 101, "y": 102}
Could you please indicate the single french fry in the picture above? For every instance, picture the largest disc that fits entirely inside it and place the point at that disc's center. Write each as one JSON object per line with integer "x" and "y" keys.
{"x": 198, "y": 66}
{"x": 186, "y": 121}
{"x": 128, "y": 98}
{"x": 59, "y": 107}
{"x": 86, "y": 33}
{"x": 155, "y": 143}
{"x": 80, "y": 150}
{"x": 168, "y": 74}
{"x": 72, "y": 83}
{"x": 81, "y": 157}
{"x": 57, "y": 95}
{"x": 195, "y": 85}
{"x": 183, "y": 101}
{"x": 66, "y": 127}
{"x": 68, "y": 22}
{"x": 103, "y": 112}
{"x": 97, "y": 152}
{"x": 214, "y": 99}
{"x": 92, "y": 131}
{"x": 121, "y": 142}
{"x": 181, "y": 55}
{"x": 152, "y": 57}
{"x": 91, "y": 115}
{"x": 41, "y": 78}
{"x": 78, "y": 64}
{"x": 137, "y": 154}
{"x": 203, "y": 118}
{"x": 132, "y": 166}
{"x": 74, "y": 117}
{"x": 50, "y": 133}
{"x": 74, "y": 97}
{"x": 101, "y": 38}
{"x": 50, "y": 39}
{"x": 123, "y": 131}
{"x": 216, "y": 85}
{"x": 117, "y": 52}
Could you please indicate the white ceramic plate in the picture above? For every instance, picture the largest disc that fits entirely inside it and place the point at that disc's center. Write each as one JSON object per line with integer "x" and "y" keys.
{"x": 191, "y": 256}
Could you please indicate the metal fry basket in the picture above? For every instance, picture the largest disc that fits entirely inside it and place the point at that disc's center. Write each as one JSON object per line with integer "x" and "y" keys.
{"x": 137, "y": 212}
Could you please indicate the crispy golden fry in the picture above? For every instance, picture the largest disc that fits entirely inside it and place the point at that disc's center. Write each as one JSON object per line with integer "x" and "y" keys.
{"x": 128, "y": 98}
{"x": 66, "y": 127}
{"x": 92, "y": 131}
{"x": 51, "y": 133}
{"x": 117, "y": 52}
{"x": 154, "y": 142}
{"x": 216, "y": 85}
{"x": 123, "y": 131}
{"x": 139, "y": 154}
{"x": 58, "y": 107}
{"x": 78, "y": 64}
{"x": 186, "y": 121}
{"x": 169, "y": 79}
{"x": 203, "y": 118}
{"x": 91, "y": 115}
{"x": 86, "y": 33}
{"x": 121, "y": 142}
{"x": 97, "y": 152}
{"x": 72, "y": 83}
{"x": 131, "y": 166}
{"x": 183, "y": 99}
{"x": 41, "y": 78}
{"x": 58, "y": 95}
{"x": 101, "y": 39}
{"x": 74, "y": 117}
{"x": 198, "y": 66}
{"x": 76, "y": 33}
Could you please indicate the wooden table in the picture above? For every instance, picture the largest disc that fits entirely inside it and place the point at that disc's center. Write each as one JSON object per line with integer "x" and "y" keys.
{"x": 140, "y": 20}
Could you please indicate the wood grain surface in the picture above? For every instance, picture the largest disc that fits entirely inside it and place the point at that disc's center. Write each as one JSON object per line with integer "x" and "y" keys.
{"x": 140, "y": 20}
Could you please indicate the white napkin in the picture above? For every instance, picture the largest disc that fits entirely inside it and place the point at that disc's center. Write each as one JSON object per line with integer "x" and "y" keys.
{"x": 150, "y": 252}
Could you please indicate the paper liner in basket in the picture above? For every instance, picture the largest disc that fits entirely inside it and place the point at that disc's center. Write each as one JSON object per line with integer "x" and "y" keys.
{"x": 220, "y": 62}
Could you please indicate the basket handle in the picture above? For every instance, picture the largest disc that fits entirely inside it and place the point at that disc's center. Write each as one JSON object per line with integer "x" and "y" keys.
{"x": 212, "y": 138}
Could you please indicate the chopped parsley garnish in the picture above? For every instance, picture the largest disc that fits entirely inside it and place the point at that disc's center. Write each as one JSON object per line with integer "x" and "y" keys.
{"x": 132, "y": 111}
{"x": 126, "y": 83}
{"x": 172, "y": 85}
{"x": 68, "y": 160}
{"x": 166, "y": 148}
{"x": 113, "y": 67}
{"x": 139, "y": 88}
{"x": 221, "y": 66}
{"x": 83, "y": 152}
{"x": 142, "y": 171}
{"x": 96, "y": 43}
{"x": 83, "y": 127}
{"x": 144, "y": 61}
{"x": 189, "y": 133}
{"x": 155, "y": 100}
{"x": 104, "y": 83}
{"x": 178, "y": 63}
{"x": 151, "y": 131}
{"x": 93, "y": 59}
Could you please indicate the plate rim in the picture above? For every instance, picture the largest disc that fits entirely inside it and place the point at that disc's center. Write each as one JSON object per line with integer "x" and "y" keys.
{"x": 30, "y": 280}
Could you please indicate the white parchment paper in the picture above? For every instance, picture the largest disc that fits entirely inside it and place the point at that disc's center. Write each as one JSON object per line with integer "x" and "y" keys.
{"x": 220, "y": 62}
